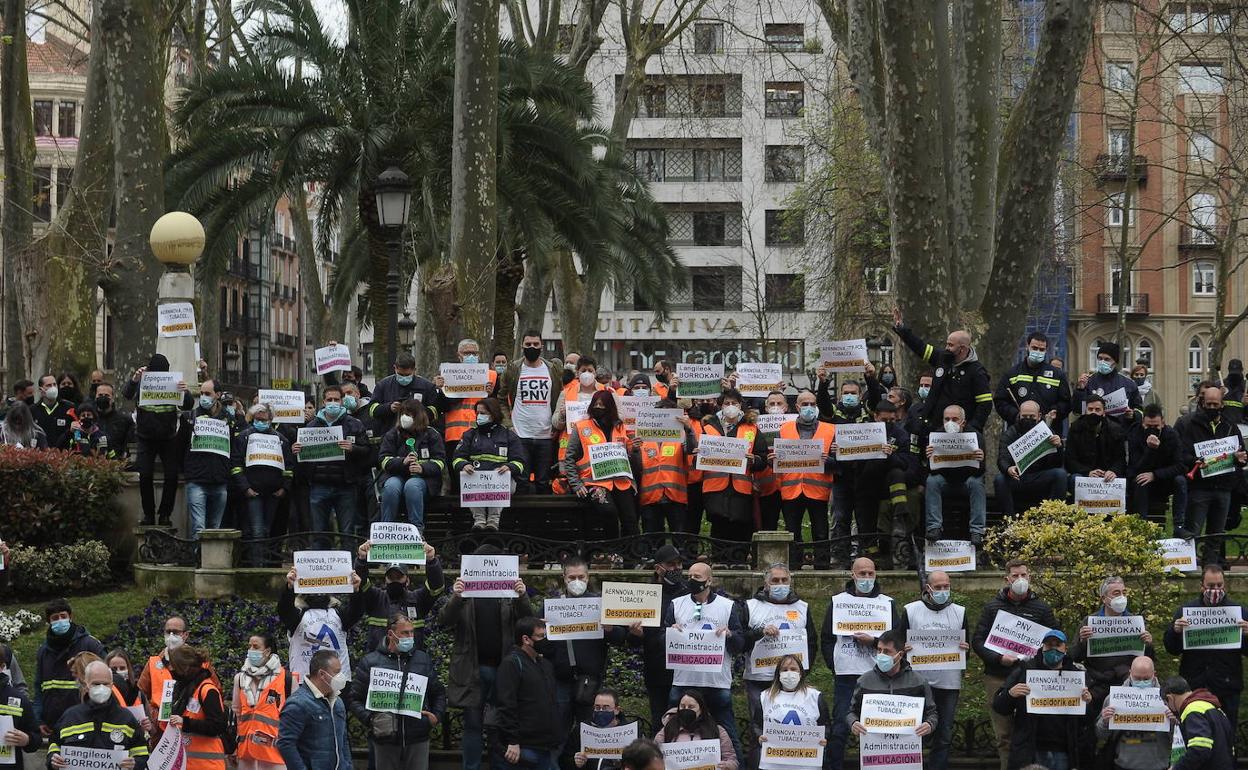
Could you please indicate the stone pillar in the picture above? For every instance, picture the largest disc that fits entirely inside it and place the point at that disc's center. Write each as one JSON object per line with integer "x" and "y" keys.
{"x": 215, "y": 576}
{"x": 771, "y": 547}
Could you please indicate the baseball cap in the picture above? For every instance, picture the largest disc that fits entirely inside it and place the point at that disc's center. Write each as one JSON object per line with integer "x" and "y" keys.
{"x": 1054, "y": 633}
{"x": 667, "y": 552}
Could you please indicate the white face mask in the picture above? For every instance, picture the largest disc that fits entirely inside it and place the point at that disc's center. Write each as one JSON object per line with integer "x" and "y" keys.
{"x": 775, "y": 410}
{"x": 577, "y": 587}
{"x": 1020, "y": 586}
{"x": 952, "y": 427}
{"x": 339, "y": 682}
{"x": 174, "y": 641}
{"x": 789, "y": 679}
{"x": 1118, "y": 603}
{"x": 732, "y": 412}
{"x": 587, "y": 379}
{"x": 98, "y": 693}
{"x": 407, "y": 421}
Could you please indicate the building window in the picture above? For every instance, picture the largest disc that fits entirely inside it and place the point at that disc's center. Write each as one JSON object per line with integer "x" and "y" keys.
{"x": 715, "y": 288}
{"x": 64, "y": 178}
{"x": 1203, "y": 278}
{"x": 785, "y": 163}
{"x": 67, "y": 120}
{"x": 1120, "y": 16}
{"x": 649, "y": 164}
{"x": 1200, "y": 146}
{"x": 1145, "y": 352}
{"x": 42, "y": 208}
{"x": 710, "y": 100}
{"x": 1114, "y": 211}
{"x": 783, "y": 230}
{"x": 876, "y": 279}
{"x": 709, "y": 228}
{"x": 785, "y": 291}
{"x": 1118, "y": 142}
{"x": 785, "y": 37}
{"x": 1204, "y": 208}
{"x": 1195, "y": 355}
{"x": 708, "y": 37}
{"x": 708, "y": 165}
{"x": 653, "y": 101}
{"x": 43, "y": 117}
{"x": 1119, "y": 76}
{"x": 1201, "y": 79}
{"x": 1120, "y": 294}
{"x": 784, "y": 100}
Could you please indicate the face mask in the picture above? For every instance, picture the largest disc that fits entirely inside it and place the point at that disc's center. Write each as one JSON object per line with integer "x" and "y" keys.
{"x": 1025, "y": 424}
{"x": 60, "y": 627}
{"x": 350, "y": 402}
{"x": 671, "y": 576}
{"x": 395, "y": 590}
{"x": 205, "y": 402}
{"x": 98, "y": 693}
{"x": 52, "y": 393}
{"x": 121, "y": 674}
{"x": 1104, "y": 367}
{"x": 173, "y": 641}
{"x": 406, "y": 643}
{"x": 884, "y": 662}
{"x": 940, "y": 597}
{"x": 406, "y": 421}
{"x": 952, "y": 427}
{"x": 339, "y": 681}
{"x": 1139, "y": 380}
{"x": 1152, "y": 432}
{"x": 230, "y": 410}
{"x": 255, "y": 658}
{"x": 1020, "y": 587}
{"x": 333, "y": 409}
{"x": 87, "y": 422}
{"x": 1211, "y": 414}
{"x": 641, "y": 391}
{"x": 586, "y": 379}
{"x": 1118, "y": 604}
{"x": 472, "y": 358}
{"x": 864, "y": 585}
{"x": 790, "y": 679}
{"x": 807, "y": 413}
{"x": 731, "y": 413}
{"x": 1053, "y": 657}
{"x": 923, "y": 391}
{"x": 849, "y": 400}
{"x": 1035, "y": 357}
{"x": 483, "y": 419}
{"x": 695, "y": 586}
{"x": 602, "y": 718}
{"x": 779, "y": 593}
{"x": 500, "y": 369}
{"x": 532, "y": 354}
{"x": 103, "y": 403}
{"x": 887, "y": 379}
{"x": 1142, "y": 683}
{"x": 1213, "y": 595}
{"x": 686, "y": 717}
{"x": 260, "y": 425}
{"x": 577, "y": 587}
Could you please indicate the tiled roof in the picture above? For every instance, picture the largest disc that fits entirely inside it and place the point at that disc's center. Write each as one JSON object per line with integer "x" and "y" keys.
{"x": 55, "y": 57}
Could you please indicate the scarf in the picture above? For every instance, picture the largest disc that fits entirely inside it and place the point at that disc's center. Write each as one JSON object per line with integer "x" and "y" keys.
{"x": 253, "y": 679}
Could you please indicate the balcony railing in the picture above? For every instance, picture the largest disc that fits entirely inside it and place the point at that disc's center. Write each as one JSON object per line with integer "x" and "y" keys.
{"x": 1118, "y": 167}
{"x": 1108, "y": 304}
{"x": 1208, "y": 237}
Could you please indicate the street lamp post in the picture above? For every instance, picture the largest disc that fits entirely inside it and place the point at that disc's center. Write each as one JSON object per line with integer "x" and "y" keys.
{"x": 393, "y": 191}
{"x": 177, "y": 240}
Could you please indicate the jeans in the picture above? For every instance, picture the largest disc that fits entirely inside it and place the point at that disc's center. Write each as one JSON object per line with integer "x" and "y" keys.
{"x": 397, "y": 756}
{"x": 169, "y": 451}
{"x": 1053, "y": 760}
{"x": 532, "y": 758}
{"x": 205, "y": 505}
{"x": 1049, "y": 484}
{"x": 341, "y": 499}
{"x": 259, "y": 524}
{"x": 541, "y": 454}
{"x": 838, "y": 736}
{"x": 1207, "y": 509}
{"x": 976, "y": 496}
{"x": 720, "y": 704}
{"x": 411, "y": 491}
{"x": 946, "y": 714}
{"x": 474, "y": 718}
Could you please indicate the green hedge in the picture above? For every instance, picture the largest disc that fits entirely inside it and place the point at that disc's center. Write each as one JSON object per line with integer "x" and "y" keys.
{"x": 59, "y": 570}
{"x": 54, "y": 498}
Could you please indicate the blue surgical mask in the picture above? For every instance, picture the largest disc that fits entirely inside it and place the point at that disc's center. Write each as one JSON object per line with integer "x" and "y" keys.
{"x": 849, "y": 400}
{"x": 350, "y": 403}
{"x": 205, "y": 402}
{"x": 807, "y": 413}
{"x": 472, "y": 358}
{"x": 940, "y": 597}
{"x": 1142, "y": 683}
{"x": 406, "y": 643}
{"x": 1035, "y": 356}
{"x": 923, "y": 391}
{"x": 483, "y": 419}
{"x": 255, "y": 658}
{"x": 1104, "y": 367}
{"x": 260, "y": 425}
{"x": 778, "y": 593}
{"x": 864, "y": 585}
{"x": 1053, "y": 657}
{"x": 60, "y": 627}
{"x": 404, "y": 379}
{"x": 229, "y": 409}
{"x": 884, "y": 662}
{"x": 333, "y": 409}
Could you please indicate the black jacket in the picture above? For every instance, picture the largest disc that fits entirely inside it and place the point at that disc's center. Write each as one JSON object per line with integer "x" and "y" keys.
{"x": 207, "y": 467}
{"x": 411, "y": 730}
{"x": 526, "y": 694}
{"x": 1165, "y": 462}
{"x": 15, "y": 704}
{"x": 1031, "y": 608}
{"x": 1103, "y": 385}
{"x": 118, "y": 430}
{"x": 380, "y": 603}
{"x": 155, "y": 423}
{"x": 54, "y": 685}
{"x": 904, "y": 458}
{"x": 55, "y": 421}
{"x": 1043, "y": 384}
{"x": 1201, "y": 718}
{"x": 1094, "y": 444}
{"x": 653, "y": 641}
{"x": 397, "y": 444}
{"x": 590, "y": 654}
{"x": 90, "y": 726}
{"x": 1221, "y": 671}
{"x": 354, "y": 468}
{"x": 489, "y": 446}
{"x": 388, "y": 391}
{"x": 1198, "y": 428}
{"x": 966, "y": 384}
{"x": 1023, "y": 739}
{"x": 262, "y": 478}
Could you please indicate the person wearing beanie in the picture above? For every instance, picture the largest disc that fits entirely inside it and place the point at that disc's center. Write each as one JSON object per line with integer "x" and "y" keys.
{"x": 156, "y": 428}
{"x": 1233, "y": 402}
{"x": 1105, "y": 380}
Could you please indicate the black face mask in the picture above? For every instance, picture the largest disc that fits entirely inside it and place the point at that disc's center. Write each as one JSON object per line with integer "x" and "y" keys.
{"x": 1211, "y": 414}
{"x": 1152, "y": 431}
{"x": 1025, "y": 424}
{"x": 671, "y": 576}
{"x": 395, "y": 590}
{"x": 532, "y": 354}
{"x": 318, "y": 602}
{"x": 696, "y": 586}
{"x": 30, "y": 400}
{"x": 1093, "y": 419}
{"x": 686, "y": 717}
{"x": 103, "y": 403}
{"x": 661, "y": 378}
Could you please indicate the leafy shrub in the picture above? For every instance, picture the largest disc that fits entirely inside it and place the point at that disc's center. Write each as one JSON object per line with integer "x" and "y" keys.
{"x": 13, "y": 626}
{"x": 59, "y": 570}
{"x": 53, "y": 497}
{"x": 1071, "y": 551}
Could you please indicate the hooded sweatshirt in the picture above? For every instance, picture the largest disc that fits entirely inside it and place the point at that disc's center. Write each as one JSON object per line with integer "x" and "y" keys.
{"x": 1135, "y": 749}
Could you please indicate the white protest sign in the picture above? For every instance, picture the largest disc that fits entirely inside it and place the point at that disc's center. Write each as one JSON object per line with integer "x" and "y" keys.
{"x": 629, "y": 406}
{"x": 891, "y": 751}
{"x": 769, "y": 424}
{"x": 1117, "y": 402}
{"x": 1218, "y": 455}
{"x": 949, "y": 556}
{"x": 769, "y": 650}
{"x": 489, "y": 576}
{"x": 609, "y": 461}
{"x": 575, "y": 411}
{"x": 1101, "y": 496}
{"x": 691, "y": 755}
{"x": 1138, "y": 708}
{"x": 655, "y": 424}
{"x": 1115, "y": 635}
{"x": 323, "y": 572}
{"x": 333, "y": 358}
{"x": 175, "y": 319}
{"x": 573, "y": 618}
{"x": 319, "y": 445}
{"x": 79, "y": 758}
{"x": 169, "y": 752}
{"x": 756, "y": 380}
{"x": 1012, "y": 635}
{"x": 861, "y": 441}
{"x": 695, "y": 650}
{"x": 626, "y": 603}
{"x": 8, "y": 753}
{"x": 882, "y": 713}
{"x": 160, "y": 389}
{"x": 843, "y": 355}
{"x": 790, "y": 745}
{"x": 388, "y": 691}
{"x": 1055, "y": 692}
{"x": 699, "y": 380}
{"x": 851, "y": 614}
{"x": 484, "y": 489}
{"x": 165, "y": 707}
{"x": 286, "y": 405}
{"x": 1212, "y": 628}
{"x": 465, "y": 380}
{"x": 797, "y": 455}
{"x": 723, "y": 454}
{"x": 953, "y": 450}
{"x": 936, "y": 649}
{"x": 1031, "y": 446}
{"x": 210, "y": 436}
{"x": 395, "y": 542}
{"x": 1178, "y": 554}
{"x": 265, "y": 449}
{"x": 607, "y": 742}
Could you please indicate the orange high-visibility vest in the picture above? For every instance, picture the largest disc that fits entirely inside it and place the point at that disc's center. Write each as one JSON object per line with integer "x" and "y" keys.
{"x": 692, "y": 474}
{"x": 558, "y": 484}
{"x": 203, "y": 752}
{"x": 813, "y": 486}
{"x": 663, "y": 473}
{"x": 158, "y": 674}
{"x": 742, "y": 483}
{"x": 660, "y": 389}
{"x": 463, "y": 415}
{"x": 589, "y": 434}
{"x": 257, "y": 725}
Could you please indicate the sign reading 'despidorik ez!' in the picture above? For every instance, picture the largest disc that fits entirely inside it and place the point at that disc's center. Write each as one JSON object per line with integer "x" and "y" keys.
{"x": 756, "y": 379}
{"x": 1138, "y": 708}
{"x": 724, "y": 454}
{"x": 936, "y": 649}
{"x": 1100, "y": 496}
{"x": 1178, "y": 554}
{"x": 624, "y": 604}
{"x": 851, "y": 614}
{"x": 323, "y": 572}
{"x": 395, "y": 542}
{"x": 861, "y": 441}
{"x": 843, "y": 355}
{"x": 790, "y": 745}
{"x": 949, "y": 556}
{"x": 797, "y": 455}
{"x": 1055, "y": 692}
{"x": 287, "y": 405}
{"x": 490, "y": 576}
{"x": 607, "y": 742}
{"x": 465, "y": 380}
{"x": 573, "y": 618}
{"x": 176, "y": 319}
{"x": 885, "y": 713}
{"x": 953, "y": 450}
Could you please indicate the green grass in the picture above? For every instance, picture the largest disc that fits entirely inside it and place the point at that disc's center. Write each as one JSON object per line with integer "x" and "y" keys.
{"x": 99, "y": 612}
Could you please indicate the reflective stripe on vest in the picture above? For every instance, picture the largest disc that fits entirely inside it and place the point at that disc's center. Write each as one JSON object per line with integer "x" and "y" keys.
{"x": 157, "y": 675}
{"x": 716, "y": 481}
{"x": 813, "y": 486}
{"x": 203, "y": 752}
{"x": 464, "y": 414}
{"x": 258, "y": 724}
{"x": 663, "y": 474}
{"x": 587, "y": 430}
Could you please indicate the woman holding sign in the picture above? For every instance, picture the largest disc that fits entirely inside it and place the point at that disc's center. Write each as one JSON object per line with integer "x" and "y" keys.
{"x": 489, "y": 447}
{"x": 413, "y": 457}
{"x": 603, "y": 478}
{"x": 691, "y": 721}
{"x": 198, "y": 709}
{"x": 729, "y": 497}
{"x": 789, "y": 701}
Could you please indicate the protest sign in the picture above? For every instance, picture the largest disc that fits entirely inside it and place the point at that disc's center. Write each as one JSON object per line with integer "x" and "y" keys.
{"x": 323, "y": 572}
{"x": 1115, "y": 635}
{"x": 1100, "y": 496}
{"x": 489, "y": 576}
{"x": 691, "y": 755}
{"x": 861, "y": 441}
{"x": 1012, "y": 635}
{"x": 1116, "y": 402}
{"x": 949, "y": 556}
{"x": 175, "y": 319}
{"x": 1055, "y": 692}
{"x": 333, "y": 358}
{"x": 843, "y": 355}
{"x": 756, "y": 380}
{"x": 1218, "y": 455}
{"x": 629, "y": 406}
{"x": 890, "y": 751}
{"x": 790, "y": 745}
{"x": 265, "y": 449}
{"x": 723, "y": 453}
{"x": 210, "y": 436}
{"x": 626, "y": 603}
{"x": 1212, "y": 628}
{"x": 164, "y": 709}
{"x": 1178, "y": 554}
{"x": 395, "y": 542}
{"x": 396, "y": 692}
{"x": 1138, "y": 708}
{"x": 8, "y": 753}
{"x": 769, "y": 424}
{"x": 609, "y": 461}
{"x": 169, "y": 752}
{"x": 953, "y": 450}
{"x": 286, "y": 405}
{"x": 573, "y": 618}
{"x": 655, "y": 424}
{"x": 884, "y": 713}
{"x": 769, "y": 650}
{"x": 484, "y": 489}
{"x": 936, "y": 649}
{"x": 1031, "y": 446}
{"x": 80, "y": 758}
{"x": 797, "y": 455}
{"x": 699, "y": 380}
{"x": 161, "y": 389}
{"x": 695, "y": 650}
{"x": 318, "y": 445}
{"x": 861, "y": 614}
{"x": 465, "y": 380}
{"x": 607, "y": 742}
{"x": 575, "y": 412}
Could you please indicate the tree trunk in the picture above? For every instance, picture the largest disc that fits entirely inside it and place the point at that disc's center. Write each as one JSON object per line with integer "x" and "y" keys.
{"x": 534, "y": 293}
{"x": 18, "y": 136}
{"x": 378, "y": 303}
{"x": 579, "y": 301}
{"x": 437, "y": 286}
{"x": 474, "y": 163}
{"x": 507, "y": 280}
{"x": 135, "y": 43}
{"x": 208, "y": 316}
{"x": 314, "y": 308}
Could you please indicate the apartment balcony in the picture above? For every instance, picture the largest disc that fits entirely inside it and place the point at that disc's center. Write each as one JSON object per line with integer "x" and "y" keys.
{"x": 1117, "y": 167}
{"x": 236, "y": 325}
{"x": 1108, "y": 304}
{"x": 1201, "y": 238}
{"x": 244, "y": 270}
{"x": 284, "y": 341}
